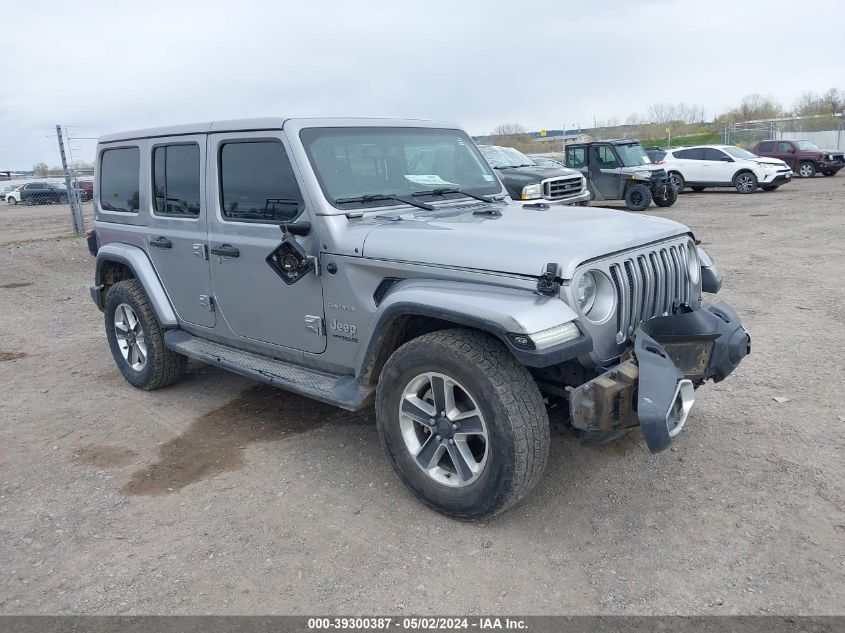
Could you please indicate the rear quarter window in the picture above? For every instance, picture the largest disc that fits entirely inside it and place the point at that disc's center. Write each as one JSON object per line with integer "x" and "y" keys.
{"x": 120, "y": 183}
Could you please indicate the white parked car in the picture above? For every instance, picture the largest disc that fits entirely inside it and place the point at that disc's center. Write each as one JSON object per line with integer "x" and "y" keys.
{"x": 724, "y": 166}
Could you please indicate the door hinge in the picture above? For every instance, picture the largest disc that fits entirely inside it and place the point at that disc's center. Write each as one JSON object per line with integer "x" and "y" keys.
{"x": 207, "y": 302}
{"x": 314, "y": 324}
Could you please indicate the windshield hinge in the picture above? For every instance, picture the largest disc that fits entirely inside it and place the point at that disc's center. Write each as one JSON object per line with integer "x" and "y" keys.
{"x": 549, "y": 283}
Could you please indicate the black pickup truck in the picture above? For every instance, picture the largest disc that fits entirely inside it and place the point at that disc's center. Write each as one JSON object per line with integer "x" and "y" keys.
{"x": 527, "y": 181}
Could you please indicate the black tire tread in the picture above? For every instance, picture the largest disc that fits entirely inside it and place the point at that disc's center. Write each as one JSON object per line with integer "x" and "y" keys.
{"x": 168, "y": 366}
{"x": 518, "y": 394}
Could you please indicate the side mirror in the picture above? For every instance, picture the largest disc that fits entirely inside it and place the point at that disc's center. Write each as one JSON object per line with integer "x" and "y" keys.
{"x": 792, "y": 150}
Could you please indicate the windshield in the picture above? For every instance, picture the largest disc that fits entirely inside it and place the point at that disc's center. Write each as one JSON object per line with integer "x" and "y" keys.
{"x": 738, "y": 152}
{"x": 807, "y": 146}
{"x": 542, "y": 161}
{"x": 505, "y": 157}
{"x": 359, "y": 162}
{"x": 633, "y": 155}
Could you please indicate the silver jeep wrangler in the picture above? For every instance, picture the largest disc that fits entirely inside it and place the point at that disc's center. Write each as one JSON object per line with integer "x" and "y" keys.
{"x": 362, "y": 262}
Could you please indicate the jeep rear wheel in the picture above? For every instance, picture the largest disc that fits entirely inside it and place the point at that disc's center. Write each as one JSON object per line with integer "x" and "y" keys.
{"x": 637, "y": 197}
{"x": 806, "y": 169}
{"x": 463, "y": 424}
{"x": 136, "y": 339}
{"x": 745, "y": 182}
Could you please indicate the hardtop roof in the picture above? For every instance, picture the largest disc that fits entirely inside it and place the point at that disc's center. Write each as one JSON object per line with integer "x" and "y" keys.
{"x": 266, "y": 123}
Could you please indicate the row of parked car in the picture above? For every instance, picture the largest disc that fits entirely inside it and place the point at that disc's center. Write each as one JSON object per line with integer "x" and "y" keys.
{"x": 621, "y": 169}
{"x": 39, "y": 192}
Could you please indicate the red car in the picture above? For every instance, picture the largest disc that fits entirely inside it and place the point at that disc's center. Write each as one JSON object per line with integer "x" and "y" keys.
{"x": 804, "y": 157}
{"x": 86, "y": 189}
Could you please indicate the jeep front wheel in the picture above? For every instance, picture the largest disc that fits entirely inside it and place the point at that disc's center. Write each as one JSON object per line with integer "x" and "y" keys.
{"x": 463, "y": 424}
{"x": 136, "y": 339}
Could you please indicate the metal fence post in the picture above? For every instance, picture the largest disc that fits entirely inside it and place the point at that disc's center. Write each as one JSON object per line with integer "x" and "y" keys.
{"x": 72, "y": 194}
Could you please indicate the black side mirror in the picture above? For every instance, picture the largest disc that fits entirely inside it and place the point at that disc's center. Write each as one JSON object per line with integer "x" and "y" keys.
{"x": 296, "y": 228}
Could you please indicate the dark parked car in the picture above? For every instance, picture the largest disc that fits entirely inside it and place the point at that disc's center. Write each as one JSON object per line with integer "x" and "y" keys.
{"x": 531, "y": 183}
{"x": 804, "y": 157}
{"x": 621, "y": 170}
{"x": 38, "y": 193}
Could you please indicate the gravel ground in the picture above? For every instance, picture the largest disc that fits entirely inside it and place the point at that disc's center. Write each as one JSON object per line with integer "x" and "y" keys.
{"x": 222, "y": 496}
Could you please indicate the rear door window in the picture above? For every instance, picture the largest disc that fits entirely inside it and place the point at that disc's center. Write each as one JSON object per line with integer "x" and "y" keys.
{"x": 575, "y": 156}
{"x": 119, "y": 179}
{"x": 176, "y": 180}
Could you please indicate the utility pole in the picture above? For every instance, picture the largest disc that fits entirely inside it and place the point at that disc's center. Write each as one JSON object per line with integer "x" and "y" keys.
{"x": 72, "y": 193}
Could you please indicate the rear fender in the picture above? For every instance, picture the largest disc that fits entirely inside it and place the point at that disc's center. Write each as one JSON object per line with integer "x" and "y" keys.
{"x": 142, "y": 268}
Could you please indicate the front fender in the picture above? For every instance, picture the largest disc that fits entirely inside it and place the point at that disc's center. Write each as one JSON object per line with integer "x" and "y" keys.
{"x": 142, "y": 268}
{"x": 499, "y": 311}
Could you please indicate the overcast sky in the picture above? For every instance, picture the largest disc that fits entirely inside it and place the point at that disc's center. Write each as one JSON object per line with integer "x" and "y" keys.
{"x": 106, "y": 66}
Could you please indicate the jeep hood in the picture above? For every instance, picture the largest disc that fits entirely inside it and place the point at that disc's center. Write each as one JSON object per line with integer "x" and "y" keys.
{"x": 522, "y": 240}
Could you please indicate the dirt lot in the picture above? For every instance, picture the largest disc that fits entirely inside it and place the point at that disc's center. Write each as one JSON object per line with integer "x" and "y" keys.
{"x": 221, "y": 496}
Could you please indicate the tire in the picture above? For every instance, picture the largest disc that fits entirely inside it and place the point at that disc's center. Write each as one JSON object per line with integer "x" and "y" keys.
{"x": 666, "y": 195}
{"x": 12, "y": 201}
{"x": 698, "y": 189}
{"x": 745, "y": 182}
{"x": 29, "y": 202}
{"x": 161, "y": 367}
{"x": 637, "y": 197}
{"x": 769, "y": 187}
{"x": 62, "y": 200}
{"x": 486, "y": 378}
{"x": 806, "y": 169}
{"x": 677, "y": 180}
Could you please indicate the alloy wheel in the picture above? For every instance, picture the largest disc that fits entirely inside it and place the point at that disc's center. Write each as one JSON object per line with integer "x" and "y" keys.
{"x": 443, "y": 429}
{"x": 745, "y": 183}
{"x": 130, "y": 337}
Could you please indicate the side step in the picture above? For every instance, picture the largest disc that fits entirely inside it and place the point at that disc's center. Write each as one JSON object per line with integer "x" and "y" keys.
{"x": 341, "y": 391}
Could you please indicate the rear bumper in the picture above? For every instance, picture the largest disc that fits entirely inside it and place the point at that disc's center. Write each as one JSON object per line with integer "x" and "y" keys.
{"x": 655, "y": 389}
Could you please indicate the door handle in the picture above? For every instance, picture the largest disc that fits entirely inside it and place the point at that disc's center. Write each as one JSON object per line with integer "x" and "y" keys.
{"x": 161, "y": 242}
{"x": 225, "y": 250}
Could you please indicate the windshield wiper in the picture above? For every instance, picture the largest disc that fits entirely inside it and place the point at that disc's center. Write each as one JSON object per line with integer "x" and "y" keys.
{"x": 442, "y": 191}
{"x": 376, "y": 197}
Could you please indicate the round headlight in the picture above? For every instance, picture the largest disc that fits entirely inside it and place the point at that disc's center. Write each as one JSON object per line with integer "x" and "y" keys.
{"x": 596, "y": 296}
{"x": 586, "y": 292}
{"x": 694, "y": 264}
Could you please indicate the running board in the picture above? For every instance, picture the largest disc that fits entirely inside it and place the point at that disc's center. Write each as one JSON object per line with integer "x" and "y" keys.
{"x": 341, "y": 391}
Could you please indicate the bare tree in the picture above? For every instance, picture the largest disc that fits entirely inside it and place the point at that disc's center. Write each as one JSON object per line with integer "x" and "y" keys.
{"x": 509, "y": 129}
{"x": 40, "y": 169}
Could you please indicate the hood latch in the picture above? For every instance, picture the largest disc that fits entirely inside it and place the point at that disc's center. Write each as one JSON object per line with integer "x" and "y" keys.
{"x": 549, "y": 283}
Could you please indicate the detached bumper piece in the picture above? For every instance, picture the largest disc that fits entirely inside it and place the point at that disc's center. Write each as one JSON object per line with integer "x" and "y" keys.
{"x": 655, "y": 389}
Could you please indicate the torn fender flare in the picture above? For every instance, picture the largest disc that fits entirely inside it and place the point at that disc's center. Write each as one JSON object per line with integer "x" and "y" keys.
{"x": 664, "y": 397}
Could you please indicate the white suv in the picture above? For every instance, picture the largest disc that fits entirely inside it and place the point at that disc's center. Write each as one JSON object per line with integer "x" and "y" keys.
{"x": 724, "y": 166}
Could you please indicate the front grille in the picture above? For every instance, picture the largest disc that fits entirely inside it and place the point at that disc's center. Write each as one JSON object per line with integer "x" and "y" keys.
{"x": 648, "y": 285}
{"x": 563, "y": 187}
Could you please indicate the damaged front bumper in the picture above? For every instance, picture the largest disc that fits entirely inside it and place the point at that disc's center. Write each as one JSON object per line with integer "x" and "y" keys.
{"x": 655, "y": 388}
